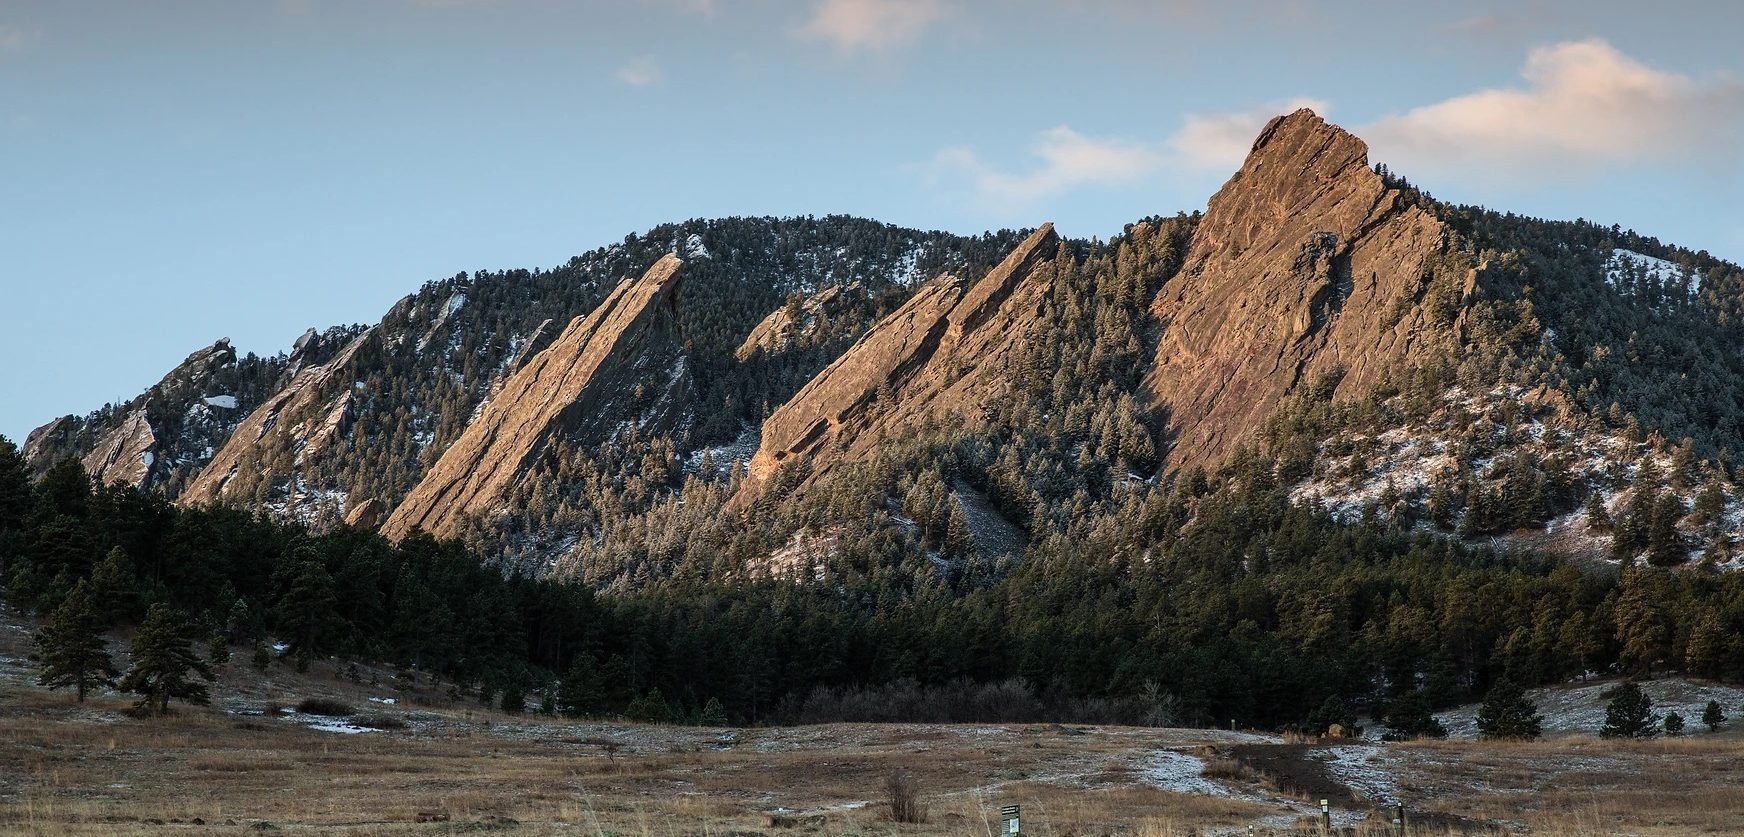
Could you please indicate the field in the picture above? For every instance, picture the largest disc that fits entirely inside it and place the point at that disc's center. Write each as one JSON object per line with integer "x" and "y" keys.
{"x": 249, "y": 764}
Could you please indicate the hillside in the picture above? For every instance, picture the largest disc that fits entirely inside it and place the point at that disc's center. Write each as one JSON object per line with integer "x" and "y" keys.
{"x": 1328, "y": 439}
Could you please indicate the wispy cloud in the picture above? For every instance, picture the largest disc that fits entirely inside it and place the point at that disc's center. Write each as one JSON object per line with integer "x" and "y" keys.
{"x": 1065, "y": 159}
{"x": 1582, "y": 104}
{"x": 12, "y": 39}
{"x": 641, "y": 72}
{"x": 1221, "y": 140}
{"x": 854, "y": 26}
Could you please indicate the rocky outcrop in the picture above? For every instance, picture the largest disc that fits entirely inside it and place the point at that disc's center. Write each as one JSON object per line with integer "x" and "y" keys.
{"x": 125, "y": 454}
{"x": 1305, "y": 263}
{"x": 797, "y": 320}
{"x": 621, "y": 365}
{"x": 137, "y": 443}
{"x": 367, "y": 514}
{"x": 941, "y": 353}
{"x": 302, "y": 410}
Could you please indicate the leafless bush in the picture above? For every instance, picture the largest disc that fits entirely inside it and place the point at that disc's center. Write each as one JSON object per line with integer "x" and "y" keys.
{"x": 905, "y": 804}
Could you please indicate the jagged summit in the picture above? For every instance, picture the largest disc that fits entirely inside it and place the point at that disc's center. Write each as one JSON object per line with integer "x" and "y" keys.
{"x": 620, "y": 365}
{"x": 1305, "y": 264}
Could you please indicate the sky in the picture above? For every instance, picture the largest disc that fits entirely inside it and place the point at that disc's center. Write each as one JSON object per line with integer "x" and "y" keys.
{"x": 179, "y": 171}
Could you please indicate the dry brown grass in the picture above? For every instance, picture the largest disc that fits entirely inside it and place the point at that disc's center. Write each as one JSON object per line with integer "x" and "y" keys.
{"x": 91, "y": 770}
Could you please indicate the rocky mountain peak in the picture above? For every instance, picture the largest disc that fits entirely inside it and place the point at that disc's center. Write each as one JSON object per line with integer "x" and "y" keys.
{"x": 1307, "y": 263}
{"x": 619, "y": 366}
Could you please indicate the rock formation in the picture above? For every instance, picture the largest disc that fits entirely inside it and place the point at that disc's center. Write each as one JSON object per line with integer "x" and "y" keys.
{"x": 620, "y": 365}
{"x": 367, "y": 514}
{"x": 941, "y": 352}
{"x": 790, "y": 323}
{"x": 134, "y": 445}
{"x": 302, "y": 410}
{"x": 1306, "y": 262}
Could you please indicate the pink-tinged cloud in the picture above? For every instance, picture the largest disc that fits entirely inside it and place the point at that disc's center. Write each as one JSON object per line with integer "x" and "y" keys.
{"x": 1583, "y": 105}
{"x": 854, "y": 26}
{"x": 1066, "y": 160}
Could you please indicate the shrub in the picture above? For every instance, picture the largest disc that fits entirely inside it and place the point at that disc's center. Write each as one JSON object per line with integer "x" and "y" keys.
{"x": 325, "y": 706}
{"x": 905, "y": 804}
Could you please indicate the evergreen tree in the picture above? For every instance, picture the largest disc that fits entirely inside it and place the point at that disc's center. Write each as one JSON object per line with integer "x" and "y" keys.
{"x": 1629, "y": 714}
{"x": 163, "y": 662}
{"x": 70, "y": 649}
{"x": 1507, "y": 714}
{"x": 307, "y": 612}
{"x": 112, "y": 587}
{"x": 1409, "y": 717}
{"x": 582, "y": 691}
{"x": 713, "y": 714}
{"x": 1713, "y": 716}
{"x": 262, "y": 658}
{"x": 1673, "y": 723}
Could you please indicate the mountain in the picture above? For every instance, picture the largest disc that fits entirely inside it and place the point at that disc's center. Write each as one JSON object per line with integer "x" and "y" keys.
{"x": 1305, "y": 264}
{"x": 1331, "y": 445}
{"x": 814, "y": 386}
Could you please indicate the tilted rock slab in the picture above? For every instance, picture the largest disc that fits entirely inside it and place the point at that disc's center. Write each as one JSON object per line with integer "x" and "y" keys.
{"x": 942, "y": 352}
{"x": 298, "y": 415}
{"x": 1305, "y": 262}
{"x": 583, "y": 387}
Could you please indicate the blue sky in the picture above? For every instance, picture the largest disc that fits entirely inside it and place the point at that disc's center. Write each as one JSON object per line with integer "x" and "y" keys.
{"x": 179, "y": 171}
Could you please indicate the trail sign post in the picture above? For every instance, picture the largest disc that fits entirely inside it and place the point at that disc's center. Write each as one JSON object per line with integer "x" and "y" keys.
{"x": 1008, "y": 817}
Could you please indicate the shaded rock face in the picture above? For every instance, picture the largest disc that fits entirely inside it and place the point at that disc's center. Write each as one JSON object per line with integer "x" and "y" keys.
{"x": 136, "y": 445}
{"x": 620, "y": 365}
{"x": 942, "y": 352}
{"x": 1305, "y": 263}
{"x": 300, "y": 415}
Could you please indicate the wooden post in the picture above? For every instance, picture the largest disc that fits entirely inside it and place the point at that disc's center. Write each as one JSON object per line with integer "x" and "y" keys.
{"x": 1325, "y": 816}
{"x": 1009, "y": 817}
{"x": 1399, "y": 818}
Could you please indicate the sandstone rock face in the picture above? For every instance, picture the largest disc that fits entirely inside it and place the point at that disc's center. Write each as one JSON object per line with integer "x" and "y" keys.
{"x": 302, "y": 410}
{"x": 788, "y": 324}
{"x": 942, "y": 352}
{"x": 124, "y": 455}
{"x": 367, "y": 514}
{"x": 131, "y": 446}
{"x": 1304, "y": 263}
{"x": 619, "y": 365}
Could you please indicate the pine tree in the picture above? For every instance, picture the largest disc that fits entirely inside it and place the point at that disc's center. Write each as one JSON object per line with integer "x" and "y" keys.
{"x": 713, "y": 714}
{"x": 71, "y": 650}
{"x": 1713, "y": 715}
{"x": 582, "y": 691}
{"x": 307, "y": 611}
{"x": 1409, "y": 718}
{"x": 1629, "y": 714}
{"x": 1508, "y": 714}
{"x": 1673, "y": 723}
{"x": 163, "y": 660}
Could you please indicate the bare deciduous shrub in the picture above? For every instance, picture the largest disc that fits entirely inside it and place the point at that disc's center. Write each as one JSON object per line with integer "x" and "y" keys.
{"x": 905, "y": 804}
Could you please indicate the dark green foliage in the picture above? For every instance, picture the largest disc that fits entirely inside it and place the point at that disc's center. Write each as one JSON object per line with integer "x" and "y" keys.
{"x": 1508, "y": 714}
{"x": 164, "y": 663}
{"x": 1673, "y": 723}
{"x": 1409, "y": 717}
{"x": 1713, "y": 716}
{"x": 713, "y": 714}
{"x": 582, "y": 691}
{"x": 1630, "y": 713}
{"x": 71, "y": 650}
{"x": 262, "y": 658}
